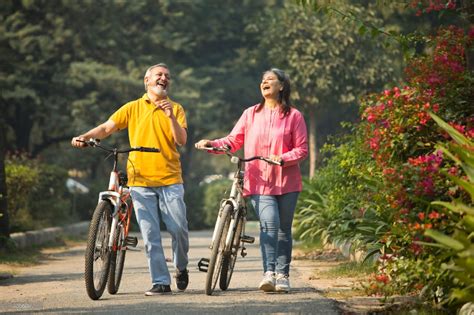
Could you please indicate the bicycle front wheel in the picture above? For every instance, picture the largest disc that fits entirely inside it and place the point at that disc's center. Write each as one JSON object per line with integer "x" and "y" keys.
{"x": 218, "y": 247}
{"x": 117, "y": 260}
{"x": 97, "y": 257}
{"x": 229, "y": 259}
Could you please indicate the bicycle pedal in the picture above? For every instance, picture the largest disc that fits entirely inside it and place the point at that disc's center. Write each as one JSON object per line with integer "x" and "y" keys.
{"x": 203, "y": 264}
{"x": 131, "y": 241}
{"x": 243, "y": 253}
{"x": 247, "y": 239}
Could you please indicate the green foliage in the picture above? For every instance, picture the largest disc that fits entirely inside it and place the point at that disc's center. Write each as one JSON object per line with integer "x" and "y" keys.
{"x": 37, "y": 196}
{"x": 214, "y": 192}
{"x": 458, "y": 247}
{"x": 21, "y": 180}
{"x": 194, "y": 206}
{"x": 341, "y": 202}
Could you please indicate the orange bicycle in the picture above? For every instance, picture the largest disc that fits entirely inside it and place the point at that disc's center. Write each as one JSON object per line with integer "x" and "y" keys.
{"x": 108, "y": 239}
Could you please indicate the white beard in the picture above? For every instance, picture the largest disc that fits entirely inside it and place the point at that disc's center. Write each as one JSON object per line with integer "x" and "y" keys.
{"x": 158, "y": 90}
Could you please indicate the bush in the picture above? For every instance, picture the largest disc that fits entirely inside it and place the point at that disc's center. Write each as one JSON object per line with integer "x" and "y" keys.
{"x": 37, "y": 196}
{"x": 214, "y": 192}
{"x": 20, "y": 180}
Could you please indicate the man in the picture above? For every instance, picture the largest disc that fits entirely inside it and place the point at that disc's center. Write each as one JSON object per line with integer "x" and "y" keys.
{"x": 155, "y": 180}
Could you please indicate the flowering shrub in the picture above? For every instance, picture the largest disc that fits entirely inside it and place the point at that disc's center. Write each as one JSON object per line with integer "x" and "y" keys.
{"x": 388, "y": 207}
{"x": 427, "y": 6}
{"x": 401, "y": 137}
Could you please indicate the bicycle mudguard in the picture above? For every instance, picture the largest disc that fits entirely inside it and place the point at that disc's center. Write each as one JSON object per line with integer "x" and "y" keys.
{"x": 113, "y": 197}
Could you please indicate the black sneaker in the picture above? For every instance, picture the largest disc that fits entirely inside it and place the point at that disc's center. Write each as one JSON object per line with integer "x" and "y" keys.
{"x": 159, "y": 289}
{"x": 182, "y": 279}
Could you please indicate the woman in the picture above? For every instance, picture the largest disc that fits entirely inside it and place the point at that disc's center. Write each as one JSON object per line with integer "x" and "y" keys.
{"x": 275, "y": 129}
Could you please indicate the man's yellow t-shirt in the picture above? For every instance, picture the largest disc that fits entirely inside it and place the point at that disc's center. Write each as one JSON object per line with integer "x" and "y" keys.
{"x": 148, "y": 126}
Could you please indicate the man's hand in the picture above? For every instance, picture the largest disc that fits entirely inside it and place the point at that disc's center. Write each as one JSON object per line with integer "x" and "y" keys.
{"x": 165, "y": 105}
{"x": 202, "y": 144}
{"x": 78, "y": 144}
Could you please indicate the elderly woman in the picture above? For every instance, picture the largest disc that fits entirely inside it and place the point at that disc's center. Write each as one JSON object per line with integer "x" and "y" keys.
{"x": 276, "y": 129}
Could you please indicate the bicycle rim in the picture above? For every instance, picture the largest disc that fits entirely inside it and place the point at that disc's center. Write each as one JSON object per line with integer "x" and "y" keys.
{"x": 215, "y": 262}
{"x": 117, "y": 260}
{"x": 229, "y": 259}
{"x": 97, "y": 256}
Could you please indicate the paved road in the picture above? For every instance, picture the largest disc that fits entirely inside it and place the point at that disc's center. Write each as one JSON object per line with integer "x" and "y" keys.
{"x": 57, "y": 286}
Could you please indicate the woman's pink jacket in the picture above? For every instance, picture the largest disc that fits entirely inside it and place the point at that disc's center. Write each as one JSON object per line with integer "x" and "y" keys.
{"x": 267, "y": 133}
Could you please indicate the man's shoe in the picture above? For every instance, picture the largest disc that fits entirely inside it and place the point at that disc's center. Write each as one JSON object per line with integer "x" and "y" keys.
{"x": 159, "y": 289}
{"x": 282, "y": 283}
{"x": 268, "y": 282}
{"x": 182, "y": 279}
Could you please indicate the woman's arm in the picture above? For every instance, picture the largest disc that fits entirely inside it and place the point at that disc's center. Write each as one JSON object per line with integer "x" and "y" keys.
{"x": 236, "y": 137}
{"x": 300, "y": 143}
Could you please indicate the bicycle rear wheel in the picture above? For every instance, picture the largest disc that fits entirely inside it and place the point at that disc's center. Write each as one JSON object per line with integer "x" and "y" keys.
{"x": 117, "y": 260}
{"x": 228, "y": 261}
{"x": 218, "y": 247}
{"x": 97, "y": 256}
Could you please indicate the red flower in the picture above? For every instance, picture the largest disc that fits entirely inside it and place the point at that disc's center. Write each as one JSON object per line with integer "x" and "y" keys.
{"x": 434, "y": 215}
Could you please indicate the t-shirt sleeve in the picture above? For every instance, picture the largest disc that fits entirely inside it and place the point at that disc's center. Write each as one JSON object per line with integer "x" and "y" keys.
{"x": 181, "y": 116}
{"x": 121, "y": 116}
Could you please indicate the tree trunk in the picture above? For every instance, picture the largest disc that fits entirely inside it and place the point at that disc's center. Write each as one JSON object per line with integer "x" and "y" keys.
{"x": 22, "y": 125}
{"x": 4, "y": 220}
{"x": 468, "y": 8}
{"x": 313, "y": 150}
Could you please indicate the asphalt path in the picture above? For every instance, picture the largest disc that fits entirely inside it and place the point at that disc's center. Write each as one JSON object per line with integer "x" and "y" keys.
{"x": 57, "y": 286}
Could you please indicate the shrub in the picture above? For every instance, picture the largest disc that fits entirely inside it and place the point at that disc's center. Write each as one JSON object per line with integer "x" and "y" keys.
{"x": 37, "y": 195}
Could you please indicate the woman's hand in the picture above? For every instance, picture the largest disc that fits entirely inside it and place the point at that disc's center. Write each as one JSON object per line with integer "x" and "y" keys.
{"x": 201, "y": 144}
{"x": 276, "y": 158}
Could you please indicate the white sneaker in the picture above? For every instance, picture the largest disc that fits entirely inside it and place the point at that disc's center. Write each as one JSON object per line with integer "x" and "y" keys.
{"x": 282, "y": 283}
{"x": 268, "y": 282}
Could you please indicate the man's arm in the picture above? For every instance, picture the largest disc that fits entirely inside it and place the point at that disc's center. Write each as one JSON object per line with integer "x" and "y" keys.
{"x": 179, "y": 133}
{"x": 100, "y": 132}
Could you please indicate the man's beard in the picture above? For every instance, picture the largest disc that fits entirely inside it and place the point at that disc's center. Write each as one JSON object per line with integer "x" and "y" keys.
{"x": 160, "y": 91}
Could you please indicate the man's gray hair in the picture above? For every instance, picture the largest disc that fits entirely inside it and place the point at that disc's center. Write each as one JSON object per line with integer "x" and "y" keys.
{"x": 147, "y": 72}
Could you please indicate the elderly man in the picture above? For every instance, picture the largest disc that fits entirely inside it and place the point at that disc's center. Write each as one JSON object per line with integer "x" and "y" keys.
{"x": 155, "y": 180}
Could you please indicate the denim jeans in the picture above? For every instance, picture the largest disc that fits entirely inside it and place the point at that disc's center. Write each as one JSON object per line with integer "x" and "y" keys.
{"x": 276, "y": 217}
{"x": 147, "y": 201}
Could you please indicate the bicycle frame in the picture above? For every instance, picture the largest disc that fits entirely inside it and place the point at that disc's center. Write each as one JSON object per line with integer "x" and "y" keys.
{"x": 229, "y": 230}
{"x": 117, "y": 195}
{"x": 237, "y": 201}
{"x": 108, "y": 239}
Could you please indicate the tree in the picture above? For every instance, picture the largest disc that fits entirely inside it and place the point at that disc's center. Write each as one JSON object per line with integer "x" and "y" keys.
{"x": 4, "y": 222}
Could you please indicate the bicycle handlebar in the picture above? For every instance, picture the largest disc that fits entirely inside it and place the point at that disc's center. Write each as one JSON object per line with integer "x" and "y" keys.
{"x": 226, "y": 150}
{"x": 96, "y": 143}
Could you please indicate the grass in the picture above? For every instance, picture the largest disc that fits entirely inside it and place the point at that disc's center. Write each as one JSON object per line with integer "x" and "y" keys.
{"x": 309, "y": 246}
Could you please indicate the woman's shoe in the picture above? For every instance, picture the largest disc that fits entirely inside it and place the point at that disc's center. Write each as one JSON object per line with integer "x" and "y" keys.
{"x": 268, "y": 282}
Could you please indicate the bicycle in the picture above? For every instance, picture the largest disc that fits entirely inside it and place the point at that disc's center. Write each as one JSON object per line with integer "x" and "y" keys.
{"x": 108, "y": 239}
{"x": 229, "y": 231}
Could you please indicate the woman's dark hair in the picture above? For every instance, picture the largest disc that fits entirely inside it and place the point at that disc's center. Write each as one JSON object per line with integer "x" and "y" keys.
{"x": 283, "y": 95}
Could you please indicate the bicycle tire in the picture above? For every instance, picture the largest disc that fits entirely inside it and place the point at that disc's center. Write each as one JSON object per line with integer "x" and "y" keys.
{"x": 97, "y": 251}
{"x": 117, "y": 260}
{"x": 228, "y": 261}
{"x": 215, "y": 261}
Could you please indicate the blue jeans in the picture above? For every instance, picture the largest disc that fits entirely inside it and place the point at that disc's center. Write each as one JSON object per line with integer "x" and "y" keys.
{"x": 276, "y": 217}
{"x": 147, "y": 201}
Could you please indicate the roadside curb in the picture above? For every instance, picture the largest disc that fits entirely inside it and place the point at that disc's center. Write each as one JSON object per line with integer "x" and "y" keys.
{"x": 39, "y": 237}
